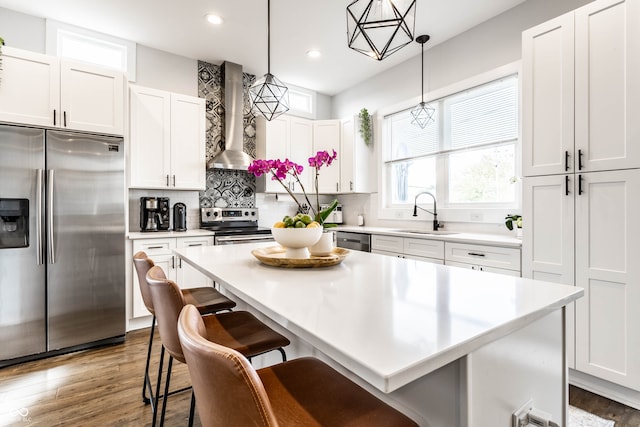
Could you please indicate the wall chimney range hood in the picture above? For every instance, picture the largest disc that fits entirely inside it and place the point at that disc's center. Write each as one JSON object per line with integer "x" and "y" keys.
{"x": 232, "y": 156}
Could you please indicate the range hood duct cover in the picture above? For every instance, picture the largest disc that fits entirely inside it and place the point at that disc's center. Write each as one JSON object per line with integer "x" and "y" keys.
{"x": 232, "y": 157}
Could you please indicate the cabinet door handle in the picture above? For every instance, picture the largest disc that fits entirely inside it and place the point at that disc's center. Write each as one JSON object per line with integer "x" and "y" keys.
{"x": 579, "y": 184}
{"x": 154, "y": 247}
{"x": 54, "y": 116}
{"x": 474, "y": 254}
{"x": 350, "y": 185}
{"x": 194, "y": 244}
{"x": 337, "y": 184}
{"x": 174, "y": 180}
{"x": 579, "y": 160}
{"x": 566, "y": 185}
{"x": 173, "y": 262}
{"x": 179, "y": 262}
{"x": 566, "y": 160}
{"x": 64, "y": 118}
{"x": 167, "y": 180}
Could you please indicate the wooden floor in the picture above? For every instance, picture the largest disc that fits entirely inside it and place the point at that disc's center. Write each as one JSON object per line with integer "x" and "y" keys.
{"x": 102, "y": 387}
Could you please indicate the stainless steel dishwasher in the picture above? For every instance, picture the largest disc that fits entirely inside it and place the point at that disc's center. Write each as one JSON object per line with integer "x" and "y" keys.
{"x": 352, "y": 240}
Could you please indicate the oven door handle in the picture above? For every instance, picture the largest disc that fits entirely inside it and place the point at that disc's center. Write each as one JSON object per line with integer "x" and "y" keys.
{"x": 232, "y": 239}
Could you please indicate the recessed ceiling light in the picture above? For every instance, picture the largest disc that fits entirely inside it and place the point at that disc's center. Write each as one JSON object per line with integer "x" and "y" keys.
{"x": 214, "y": 19}
{"x": 313, "y": 53}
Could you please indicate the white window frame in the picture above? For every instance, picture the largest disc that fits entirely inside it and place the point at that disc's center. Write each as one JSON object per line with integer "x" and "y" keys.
{"x": 56, "y": 32}
{"x": 482, "y": 214}
{"x": 311, "y": 95}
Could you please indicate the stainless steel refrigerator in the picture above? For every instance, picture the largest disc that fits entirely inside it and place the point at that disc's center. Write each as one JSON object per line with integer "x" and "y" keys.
{"x": 62, "y": 277}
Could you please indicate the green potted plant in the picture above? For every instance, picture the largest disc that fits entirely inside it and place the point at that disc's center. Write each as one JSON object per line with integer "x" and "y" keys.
{"x": 366, "y": 127}
{"x": 511, "y": 220}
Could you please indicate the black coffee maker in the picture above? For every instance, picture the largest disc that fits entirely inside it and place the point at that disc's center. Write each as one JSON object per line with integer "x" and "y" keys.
{"x": 154, "y": 213}
{"x": 179, "y": 217}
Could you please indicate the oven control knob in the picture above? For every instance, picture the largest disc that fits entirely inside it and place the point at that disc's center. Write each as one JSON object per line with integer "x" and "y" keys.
{"x": 215, "y": 213}
{"x": 246, "y": 213}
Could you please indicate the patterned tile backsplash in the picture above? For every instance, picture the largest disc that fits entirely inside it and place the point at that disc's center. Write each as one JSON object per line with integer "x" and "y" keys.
{"x": 225, "y": 188}
{"x": 229, "y": 188}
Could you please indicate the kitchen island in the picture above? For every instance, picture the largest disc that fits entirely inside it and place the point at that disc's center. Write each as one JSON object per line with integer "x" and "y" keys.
{"x": 447, "y": 346}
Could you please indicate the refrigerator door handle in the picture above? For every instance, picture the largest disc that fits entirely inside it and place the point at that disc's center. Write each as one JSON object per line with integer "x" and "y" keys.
{"x": 50, "y": 242}
{"x": 39, "y": 218}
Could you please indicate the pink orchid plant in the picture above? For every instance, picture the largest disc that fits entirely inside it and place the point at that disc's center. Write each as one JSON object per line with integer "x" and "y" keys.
{"x": 280, "y": 169}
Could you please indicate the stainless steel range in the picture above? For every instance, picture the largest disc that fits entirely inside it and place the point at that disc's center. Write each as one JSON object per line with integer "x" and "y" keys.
{"x": 233, "y": 226}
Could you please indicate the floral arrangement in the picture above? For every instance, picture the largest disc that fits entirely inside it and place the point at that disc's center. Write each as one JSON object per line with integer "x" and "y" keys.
{"x": 281, "y": 169}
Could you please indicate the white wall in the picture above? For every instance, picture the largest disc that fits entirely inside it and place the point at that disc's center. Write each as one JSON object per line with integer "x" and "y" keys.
{"x": 487, "y": 46}
{"x": 166, "y": 71}
{"x": 22, "y": 31}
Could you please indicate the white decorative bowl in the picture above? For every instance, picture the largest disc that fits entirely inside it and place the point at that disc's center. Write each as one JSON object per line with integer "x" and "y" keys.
{"x": 296, "y": 240}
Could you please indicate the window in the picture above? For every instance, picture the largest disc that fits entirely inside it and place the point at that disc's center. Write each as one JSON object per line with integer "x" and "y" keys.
{"x": 467, "y": 157}
{"x": 302, "y": 102}
{"x": 67, "y": 41}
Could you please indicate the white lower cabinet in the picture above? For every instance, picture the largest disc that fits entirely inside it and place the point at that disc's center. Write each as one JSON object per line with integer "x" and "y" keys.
{"x": 401, "y": 247}
{"x": 583, "y": 230}
{"x": 493, "y": 259}
{"x": 160, "y": 250}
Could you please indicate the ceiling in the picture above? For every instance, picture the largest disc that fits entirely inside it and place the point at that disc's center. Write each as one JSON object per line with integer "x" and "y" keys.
{"x": 297, "y": 26}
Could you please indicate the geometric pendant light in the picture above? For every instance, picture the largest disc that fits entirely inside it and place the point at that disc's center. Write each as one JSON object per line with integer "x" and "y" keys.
{"x": 269, "y": 96}
{"x": 422, "y": 114}
{"x": 378, "y": 28}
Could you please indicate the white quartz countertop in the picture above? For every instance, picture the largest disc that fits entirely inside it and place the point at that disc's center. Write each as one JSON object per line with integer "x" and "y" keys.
{"x": 389, "y": 320}
{"x": 133, "y": 235}
{"x": 472, "y": 238}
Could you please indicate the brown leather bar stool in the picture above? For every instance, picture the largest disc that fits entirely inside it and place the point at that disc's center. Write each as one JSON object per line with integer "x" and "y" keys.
{"x": 239, "y": 330}
{"x": 206, "y": 299}
{"x": 301, "y": 392}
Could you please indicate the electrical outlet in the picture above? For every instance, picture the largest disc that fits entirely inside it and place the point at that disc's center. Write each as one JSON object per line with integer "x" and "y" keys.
{"x": 475, "y": 216}
{"x": 520, "y": 418}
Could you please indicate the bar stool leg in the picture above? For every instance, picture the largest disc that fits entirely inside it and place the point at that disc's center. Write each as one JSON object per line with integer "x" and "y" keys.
{"x": 192, "y": 408}
{"x": 157, "y": 396}
{"x": 166, "y": 391}
{"x": 147, "y": 380}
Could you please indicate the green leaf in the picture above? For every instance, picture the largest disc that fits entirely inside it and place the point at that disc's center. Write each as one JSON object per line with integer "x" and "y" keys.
{"x": 324, "y": 214}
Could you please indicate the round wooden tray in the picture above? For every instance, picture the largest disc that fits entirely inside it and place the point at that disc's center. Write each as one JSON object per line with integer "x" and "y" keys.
{"x": 275, "y": 256}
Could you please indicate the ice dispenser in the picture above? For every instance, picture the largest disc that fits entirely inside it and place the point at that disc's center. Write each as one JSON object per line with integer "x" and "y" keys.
{"x": 14, "y": 223}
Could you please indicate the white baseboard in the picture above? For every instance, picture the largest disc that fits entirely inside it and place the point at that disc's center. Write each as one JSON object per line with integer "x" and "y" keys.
{"x": 604, "y": 388}
{"x": 139, "y": 323}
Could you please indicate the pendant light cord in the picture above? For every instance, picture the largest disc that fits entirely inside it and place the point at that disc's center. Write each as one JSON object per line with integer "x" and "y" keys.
{"x": 422, "y": 63}
{"x": 268, "y": 36}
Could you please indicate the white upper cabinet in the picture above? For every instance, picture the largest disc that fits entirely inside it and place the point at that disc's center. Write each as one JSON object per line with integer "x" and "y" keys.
{"x": 167, "y": 140}
{"x": 326, "y": 137}
{"x": 42, "y": 90}
{"x": 581, "y": 95}
{"x": 357, "y": 160}
{"x": 285, "y": 137}
{"x": 548, "y": 97}
{"x": 32, "y": 100}
{"x": 607, "y": 47}
{"x": 91, "y": 98}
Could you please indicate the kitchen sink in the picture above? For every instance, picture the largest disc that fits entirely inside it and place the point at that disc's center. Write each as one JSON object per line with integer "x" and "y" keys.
{"x": 436, "y": 233}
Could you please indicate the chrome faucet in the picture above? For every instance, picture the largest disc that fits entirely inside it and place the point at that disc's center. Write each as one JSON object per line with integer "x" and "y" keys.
{"x": 436, "y": 225}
